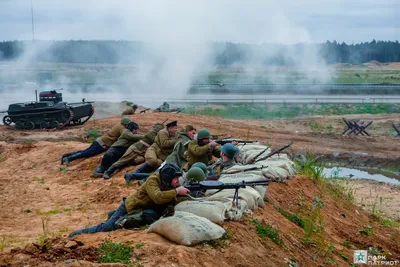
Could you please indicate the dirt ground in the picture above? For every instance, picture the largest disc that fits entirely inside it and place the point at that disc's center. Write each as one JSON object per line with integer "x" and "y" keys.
{"x": 41, "y": 198}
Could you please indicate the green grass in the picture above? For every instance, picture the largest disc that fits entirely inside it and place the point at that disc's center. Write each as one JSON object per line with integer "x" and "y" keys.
{"x": 114, "y": 252}
{"x": 93, "y": 134}
{"x": 291, "y": 217}
{"x": 264, "y": 231}
{"x": 368, "y": 230}
{"x": 271, "y": 111}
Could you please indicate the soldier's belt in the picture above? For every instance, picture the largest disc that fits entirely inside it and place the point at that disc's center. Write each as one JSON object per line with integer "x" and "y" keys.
{"x": 144, "y": 143}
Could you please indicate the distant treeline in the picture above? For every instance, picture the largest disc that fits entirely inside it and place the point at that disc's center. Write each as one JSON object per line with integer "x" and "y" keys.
{"x": 130, "y": 52}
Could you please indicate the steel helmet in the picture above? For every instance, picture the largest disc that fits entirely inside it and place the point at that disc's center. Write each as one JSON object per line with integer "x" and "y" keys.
{"x": 195, "y": 174}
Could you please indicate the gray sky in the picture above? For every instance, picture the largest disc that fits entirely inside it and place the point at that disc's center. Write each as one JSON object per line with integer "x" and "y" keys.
{"x": 251, "y": 21}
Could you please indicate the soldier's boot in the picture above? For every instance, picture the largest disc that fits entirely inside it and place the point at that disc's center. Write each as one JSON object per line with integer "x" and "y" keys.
{"x": 131, "y": 221}
{"x": 98, "y": 173}
{"x": 108, "y": 173}
{"x": 68, "y": 159}
{"x": 65, "y": 156}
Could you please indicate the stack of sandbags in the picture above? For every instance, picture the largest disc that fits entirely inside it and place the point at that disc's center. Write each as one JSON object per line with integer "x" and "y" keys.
{"x": 186, "y": 228}
{"x": 279, "y": 167}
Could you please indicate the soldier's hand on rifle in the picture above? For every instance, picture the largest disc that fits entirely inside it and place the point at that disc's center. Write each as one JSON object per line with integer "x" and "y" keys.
{"x": 182, "y": 190}
{"x": 213, "y": 144}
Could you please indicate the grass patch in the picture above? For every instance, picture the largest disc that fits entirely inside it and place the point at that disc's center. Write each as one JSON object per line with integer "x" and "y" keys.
{"x": 314, "y": 231}
{"x": 309, "y": 167}
{"x": 220, "y": 242}
{"x": 266, "y": 230}
{"x": 114, "y": 252}
{"x": 93, "y": 134}
{"x": 291, "y": 217}
{"x": 63, "y": 169}
{"x": 346, "y": 244}
{"x": 284, "y": 110}
{"x": 343, "y": 256}
{"x": 368, "y": 230}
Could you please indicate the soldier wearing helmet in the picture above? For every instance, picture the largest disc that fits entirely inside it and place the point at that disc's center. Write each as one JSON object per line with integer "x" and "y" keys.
{"x": 100, "y": 145}
{"x": 147, "y": 204}
{"x": 130, "y": 110}
{"x": 228, "y": 154}
{"x": 202, "y": 149}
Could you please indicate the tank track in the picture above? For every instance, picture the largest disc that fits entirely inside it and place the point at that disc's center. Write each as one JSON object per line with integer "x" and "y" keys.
{"x": 26, "y": 124}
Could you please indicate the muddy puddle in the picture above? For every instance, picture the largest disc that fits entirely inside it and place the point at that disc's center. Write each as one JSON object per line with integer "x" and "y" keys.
{"x": 363, "y": 173}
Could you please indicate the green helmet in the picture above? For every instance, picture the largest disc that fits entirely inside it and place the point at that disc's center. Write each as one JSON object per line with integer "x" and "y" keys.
{"x": 203, "y": 134}
{"x": 125, "y": 120}
{"x": 230, "y": 150}
{"x": 195, "y": 174}
{"x": 202, "y": 166}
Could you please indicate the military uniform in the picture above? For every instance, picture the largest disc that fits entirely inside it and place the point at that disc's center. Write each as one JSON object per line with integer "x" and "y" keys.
{"x": 117, "y": 150}
{"x": 135, "y": 153}
{"x": 178, "y": 154}
{"x": 152, "y": 198}
{"x": 100, "y": 145}
{"x": 219, "y": 166}
{"x": 197, "y": 153}
{"x": 160, "y": 149}
{"x": 164, "y": 107}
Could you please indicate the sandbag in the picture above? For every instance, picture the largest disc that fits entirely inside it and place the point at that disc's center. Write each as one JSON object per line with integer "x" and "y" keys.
{"x": 251, "y": 201}
{"x": 233, "y": 213}
{"x": 247, "y": 177}
{"x": 212, "y": 210}
{"x": 186, "y": 228}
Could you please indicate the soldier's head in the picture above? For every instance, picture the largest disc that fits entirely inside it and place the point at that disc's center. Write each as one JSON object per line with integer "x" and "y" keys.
{"x": 157, "y": 127}
{"x": 133, "y": 127}
{"x": 190, "y": 131}
{"x": 229, "y": 152}
{"x": 125, "y": 121}
{"x": 195, "y": 174}
{"x": 134, "y": 107}
{"x": 203, "y": 137}
{"x": 172, "y": 127}
{"x": 202, "y": 166}
{"x": 169, "y": 174}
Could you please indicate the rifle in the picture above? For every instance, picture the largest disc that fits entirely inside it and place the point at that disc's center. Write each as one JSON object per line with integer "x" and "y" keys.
{"x": 216, "y": 176}
{"x": 144, "y": 111}
{"x": 206, "y": 185}
{"x": 164, "y": 121}
{"x": 223, "y": 142}
{"x": 276, "y": 151}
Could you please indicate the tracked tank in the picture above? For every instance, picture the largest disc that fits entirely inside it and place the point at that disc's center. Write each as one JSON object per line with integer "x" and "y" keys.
{"x": 48, "y": 113}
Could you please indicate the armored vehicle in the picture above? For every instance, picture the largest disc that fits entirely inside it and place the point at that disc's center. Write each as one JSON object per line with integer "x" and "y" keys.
{"x": 49, "y": 112}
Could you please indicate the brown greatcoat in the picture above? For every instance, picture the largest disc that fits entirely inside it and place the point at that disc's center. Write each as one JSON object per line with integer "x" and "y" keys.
{"x": 160, "y": 149}
{"x": 197, "y": 153}
{"x": 111, "y": 136}
{"x": 151, "y": 193}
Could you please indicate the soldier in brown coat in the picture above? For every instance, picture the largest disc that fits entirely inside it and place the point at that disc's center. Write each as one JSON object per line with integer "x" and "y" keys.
{"x": 149, "y": 202}
{"x": 135, "y": 153}
{"x": 202, "y": 149}
{"x": 161, "y": 148}
{"x": 100, "y": 145}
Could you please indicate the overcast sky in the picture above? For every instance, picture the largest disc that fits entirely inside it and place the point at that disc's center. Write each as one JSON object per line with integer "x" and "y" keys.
{"x": 250, "y": 21}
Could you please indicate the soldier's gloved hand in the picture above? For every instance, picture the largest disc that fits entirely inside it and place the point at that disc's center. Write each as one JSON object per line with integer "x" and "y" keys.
{"x": 182, "y": 190}
{"x": 213, "y": 144}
